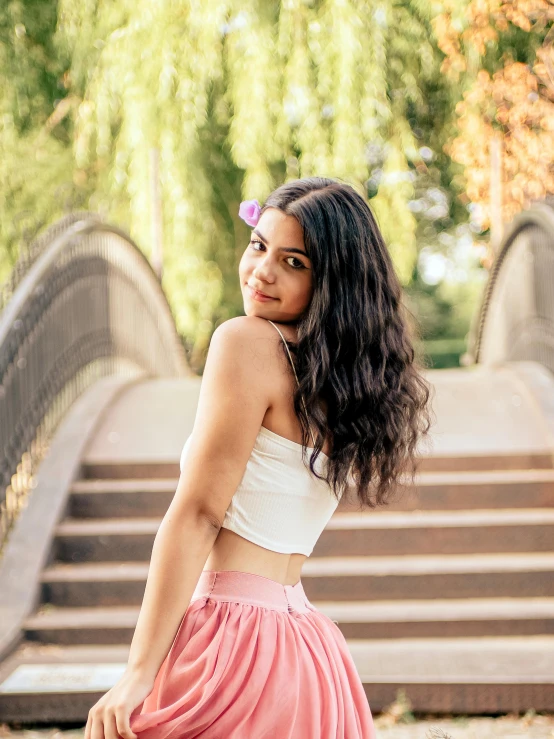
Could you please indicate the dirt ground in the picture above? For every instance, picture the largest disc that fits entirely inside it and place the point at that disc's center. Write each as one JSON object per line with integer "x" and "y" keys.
{"x": 529, "y": 727}
{"x": 389, "y": 726}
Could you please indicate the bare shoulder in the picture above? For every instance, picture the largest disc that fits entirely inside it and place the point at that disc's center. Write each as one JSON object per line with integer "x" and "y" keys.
{"x": 252, "y": 341}
{"x": 241, "y": 327}
{"x": 248, "y": 325}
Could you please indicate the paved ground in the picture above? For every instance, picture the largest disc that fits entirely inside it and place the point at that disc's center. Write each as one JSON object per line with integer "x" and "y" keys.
{"x": 528, "y": 727}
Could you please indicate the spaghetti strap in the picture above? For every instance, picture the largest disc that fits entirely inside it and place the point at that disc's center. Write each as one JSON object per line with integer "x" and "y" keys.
{"x": 294, "y": 370}
{"x": 287, "y": 348}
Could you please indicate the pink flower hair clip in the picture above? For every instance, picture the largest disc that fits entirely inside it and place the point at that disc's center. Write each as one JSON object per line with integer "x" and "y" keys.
{"x": 249, "y": 211}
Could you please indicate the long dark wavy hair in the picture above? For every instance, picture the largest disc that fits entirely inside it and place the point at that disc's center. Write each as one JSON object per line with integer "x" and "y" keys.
{"x": 354, "y": 345}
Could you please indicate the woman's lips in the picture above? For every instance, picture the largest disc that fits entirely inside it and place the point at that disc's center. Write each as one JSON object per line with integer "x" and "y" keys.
{"x": 258, "y": 296}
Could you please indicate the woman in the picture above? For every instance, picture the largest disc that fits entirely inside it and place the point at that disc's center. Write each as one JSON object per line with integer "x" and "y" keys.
{"x": 227, "y": 645}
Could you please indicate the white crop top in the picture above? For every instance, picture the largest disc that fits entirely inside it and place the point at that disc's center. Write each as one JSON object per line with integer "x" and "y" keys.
{"x": 279, "y": 504}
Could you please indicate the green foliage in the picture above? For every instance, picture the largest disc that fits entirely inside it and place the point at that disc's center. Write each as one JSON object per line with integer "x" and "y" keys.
{"x": 31, "y": 70}
{"x": 32, "y": 160}
{"x": 236, "y": 98}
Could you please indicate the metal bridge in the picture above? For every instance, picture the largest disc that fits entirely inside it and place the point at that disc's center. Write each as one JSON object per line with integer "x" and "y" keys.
{"x": 446, "y": 594}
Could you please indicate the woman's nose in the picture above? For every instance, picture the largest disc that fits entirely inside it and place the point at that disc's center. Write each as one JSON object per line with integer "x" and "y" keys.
{"x": 263, "y": 270}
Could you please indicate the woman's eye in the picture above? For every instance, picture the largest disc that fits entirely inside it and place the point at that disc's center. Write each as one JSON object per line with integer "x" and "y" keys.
{"x": 300, "y": 265}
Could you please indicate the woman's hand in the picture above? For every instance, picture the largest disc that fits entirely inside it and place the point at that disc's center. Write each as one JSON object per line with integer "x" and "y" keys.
{"x": 109, "y": 718}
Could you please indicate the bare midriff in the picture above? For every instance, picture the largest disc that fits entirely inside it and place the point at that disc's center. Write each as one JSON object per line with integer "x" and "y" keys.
{"x": 234, "y": 552}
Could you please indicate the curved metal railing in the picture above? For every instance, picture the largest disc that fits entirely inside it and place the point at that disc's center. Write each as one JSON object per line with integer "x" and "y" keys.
{"x": 32, "y": 246}
{"x": 86, "y": 304}
{"x": 516, "y": 317}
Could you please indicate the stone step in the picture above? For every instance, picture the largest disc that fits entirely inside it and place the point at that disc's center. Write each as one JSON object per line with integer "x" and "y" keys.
{"x": 481, "y": 462}
{"x": 522, "y": 575}
{"x": 459, "y": 676}
{"x": 469, "y": 676}
{"x": 430, "y": 576}
{"x": 475, "y": 490}
{"x": 359, "y": 620}
{"x": 348, "y": 534}
{"x": 144, "y": 468}
{"x": 436, "y": 618}
{"x": 124, "y": 498}
{"x": 80, "y": 626}
{"x": 105, "y": 539}
{"x": 394, "y": 533}
{"x": 110, "y": 498}
{"x": 57, "y": 684}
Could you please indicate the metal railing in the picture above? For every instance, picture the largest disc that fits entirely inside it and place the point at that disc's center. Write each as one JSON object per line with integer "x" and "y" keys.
{"x": 84, "y": 304}
{"x": 516, "y": 317}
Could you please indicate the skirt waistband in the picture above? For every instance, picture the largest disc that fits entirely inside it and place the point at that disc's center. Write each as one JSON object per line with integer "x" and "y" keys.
{"x": 245, "y": 587}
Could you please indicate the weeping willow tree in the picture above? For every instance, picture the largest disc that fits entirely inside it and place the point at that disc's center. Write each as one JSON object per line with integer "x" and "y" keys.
{"x": 35, "y": 149}
{"x": 237, "y": 98}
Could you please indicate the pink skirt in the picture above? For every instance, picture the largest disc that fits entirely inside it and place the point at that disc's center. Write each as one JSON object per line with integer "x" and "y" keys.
{"x": 255, "y": 659}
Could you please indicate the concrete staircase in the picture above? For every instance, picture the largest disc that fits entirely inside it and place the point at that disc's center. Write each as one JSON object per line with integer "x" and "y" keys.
{"x": 448, "y": 593}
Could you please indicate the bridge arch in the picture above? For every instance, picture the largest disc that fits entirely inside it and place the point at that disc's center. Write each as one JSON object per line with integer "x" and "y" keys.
{"x": 516, "y": 318}
{"x": 82, "y": 304}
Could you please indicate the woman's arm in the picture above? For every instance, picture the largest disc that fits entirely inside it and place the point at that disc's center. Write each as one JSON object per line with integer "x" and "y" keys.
{"x": 233, "y": 400}
{"x": 234, "y": 395}
{"x": 180, "y": 550}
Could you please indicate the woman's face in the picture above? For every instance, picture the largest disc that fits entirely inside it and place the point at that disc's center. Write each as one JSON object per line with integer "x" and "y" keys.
{"x": 276, "y": 263}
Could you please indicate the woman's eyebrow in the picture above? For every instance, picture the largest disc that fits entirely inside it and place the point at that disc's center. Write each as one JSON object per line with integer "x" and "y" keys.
{"x": 282, "y": 248}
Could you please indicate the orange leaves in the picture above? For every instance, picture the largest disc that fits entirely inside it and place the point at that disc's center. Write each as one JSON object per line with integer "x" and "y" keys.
{"x": 524, "y": 13}
{"x": 449, "y": 43}
{"x": 517, "y": 102}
